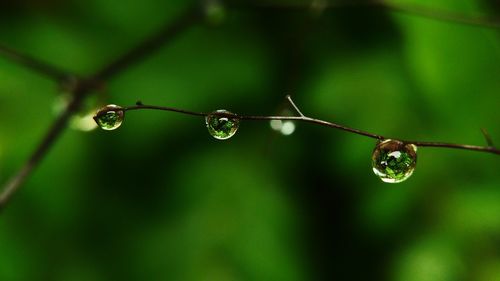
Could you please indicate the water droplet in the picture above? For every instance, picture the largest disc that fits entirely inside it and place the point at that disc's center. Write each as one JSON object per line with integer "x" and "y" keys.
{"x": 220, "y": 126}
{"x": 109, "y": 117}
{"x": 394, "y": 161}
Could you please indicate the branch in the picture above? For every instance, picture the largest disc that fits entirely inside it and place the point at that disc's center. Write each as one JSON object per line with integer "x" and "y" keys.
{"x": 441, "y": 15}
{"x": 84, "y": 87}
{"x": 487, "y": 137}
{"x": 55, "y": 130}
{"x": 149, "y": 45}
{"x": 417, "y": 10}
{"x": 303, "y": 118}
{"x": 43, "y": 68}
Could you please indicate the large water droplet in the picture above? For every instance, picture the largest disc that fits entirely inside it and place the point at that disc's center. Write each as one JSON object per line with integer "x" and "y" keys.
{"x": 109, "y": 117}
{"x": 222, "y": 126}
{"x": 394, "y": 161}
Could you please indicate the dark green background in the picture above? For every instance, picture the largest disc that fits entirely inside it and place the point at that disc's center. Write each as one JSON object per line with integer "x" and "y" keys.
{"x": 159, "y": 199}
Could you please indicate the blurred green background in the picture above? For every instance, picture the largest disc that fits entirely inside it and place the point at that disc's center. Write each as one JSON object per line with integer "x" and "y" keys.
{"x": 159, "y": 199}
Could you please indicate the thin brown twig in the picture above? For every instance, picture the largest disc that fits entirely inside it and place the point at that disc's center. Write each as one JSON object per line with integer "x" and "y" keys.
{"x": 487, "y": 137}
{"x": 303, "y": 118}
{"x": 84, "y": 87}
{"x": 164, "y": 108}
{"x": 290, "y": 101}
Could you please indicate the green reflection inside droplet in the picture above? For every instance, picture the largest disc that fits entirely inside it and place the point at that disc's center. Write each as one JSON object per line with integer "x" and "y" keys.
{"x": 109, "y": 117}
{"x": 222, "y": 127}
{"x": 394, "y": 161}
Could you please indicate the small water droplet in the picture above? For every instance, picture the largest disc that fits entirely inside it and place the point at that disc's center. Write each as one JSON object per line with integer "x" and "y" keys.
{"x": 109, "y": 117}
{"x": 394, "y": 161}
{"x": 220, "y": 126}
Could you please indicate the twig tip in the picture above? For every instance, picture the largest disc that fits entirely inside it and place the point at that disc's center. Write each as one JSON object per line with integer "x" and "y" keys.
{"x": 295, "y": 107}
{"x": 487, "y": 137}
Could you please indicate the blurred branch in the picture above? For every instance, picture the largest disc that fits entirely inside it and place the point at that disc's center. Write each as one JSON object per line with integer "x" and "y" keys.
{"x": 43, "y": 68}
{"x": 85, "y": 87}
{"x": 411, "y": 9}
{"x": 55, "y": 130}
{"x": 303, "y": 118}
{"x": 441, "y": 15}
{"x": 149, "y": 46}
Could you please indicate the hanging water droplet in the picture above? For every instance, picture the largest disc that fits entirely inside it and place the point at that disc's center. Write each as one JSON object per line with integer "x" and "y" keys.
{"x": 109, "y": 117}
{"x": 220, "y": 126}
{"x": 394, "y": 161}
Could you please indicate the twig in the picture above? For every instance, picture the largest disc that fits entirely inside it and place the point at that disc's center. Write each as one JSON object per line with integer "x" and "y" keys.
{"x": 257, "y": 117}
{"x": 289, "y": 99}
{"x": 84, "y": 88}
{"x": 487, "y": 137}
{"x": 303, "y": 118}
{"x": 140, "y": 106}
